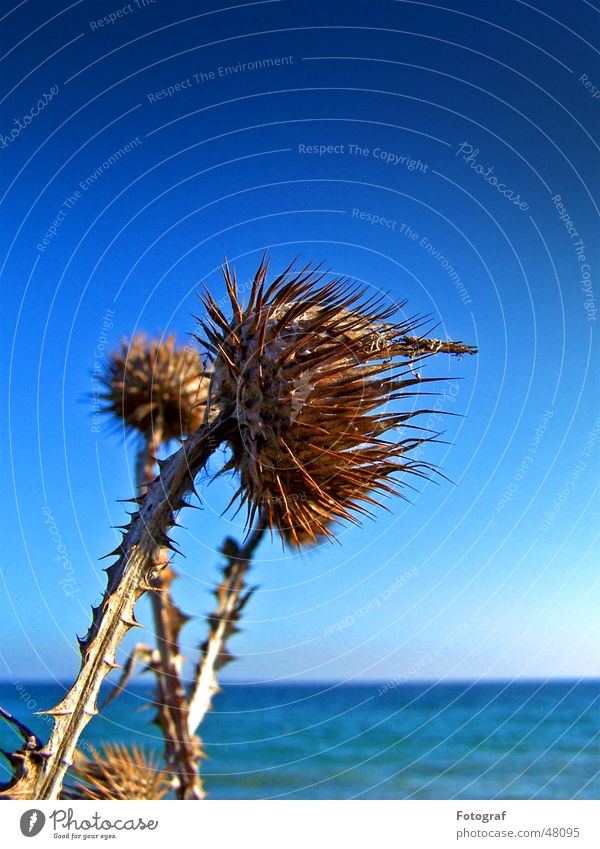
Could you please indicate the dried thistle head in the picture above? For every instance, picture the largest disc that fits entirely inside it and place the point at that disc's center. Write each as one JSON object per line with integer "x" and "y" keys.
{"x": 155, "y": 386}
{"x": 306, "y": 369}
{"x": 119, "y": 774}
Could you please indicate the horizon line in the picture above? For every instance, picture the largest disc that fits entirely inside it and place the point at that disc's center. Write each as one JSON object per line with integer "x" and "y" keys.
{"x": 391, "y": 682}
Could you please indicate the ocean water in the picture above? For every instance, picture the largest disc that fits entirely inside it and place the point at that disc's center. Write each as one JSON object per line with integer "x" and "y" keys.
{"x": 533, "y": 740}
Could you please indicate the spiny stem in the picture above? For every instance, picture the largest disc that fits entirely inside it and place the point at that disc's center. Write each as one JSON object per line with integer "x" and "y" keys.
{"x": 182, "y": 748}
{"x": 418, "y": 346}
{"x": 141, "y": 654}
{"x": 43, "y": 769}
{"x": 232, "y": 597}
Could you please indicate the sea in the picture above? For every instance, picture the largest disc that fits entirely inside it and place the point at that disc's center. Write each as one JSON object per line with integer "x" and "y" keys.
{"x": 500, "y": 740}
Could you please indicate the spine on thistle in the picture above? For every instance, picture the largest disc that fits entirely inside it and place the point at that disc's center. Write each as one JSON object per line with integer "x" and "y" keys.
{"x": 42, "y": 769}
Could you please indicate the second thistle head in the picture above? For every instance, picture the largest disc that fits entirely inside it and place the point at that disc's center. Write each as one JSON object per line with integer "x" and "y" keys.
{"x": 155, "y": 387}
{"x": 118, "y": 773}
{"x": 310, "y": 372}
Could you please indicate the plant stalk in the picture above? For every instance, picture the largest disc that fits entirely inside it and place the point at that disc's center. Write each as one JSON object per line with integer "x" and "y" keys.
{"x": 182, "y": 749}
{"x": 232, "y": 597}
{"x": 42, "y": 769}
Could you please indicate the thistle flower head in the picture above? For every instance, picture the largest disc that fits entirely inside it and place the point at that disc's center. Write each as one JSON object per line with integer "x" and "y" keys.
{"x": 118, "y": 774}
{"x": 155, "y": 385}
{"x": 306, "y": 369}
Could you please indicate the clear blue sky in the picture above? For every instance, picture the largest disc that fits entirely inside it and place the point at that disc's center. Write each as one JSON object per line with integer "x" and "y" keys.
{"x": 499, "y": 566}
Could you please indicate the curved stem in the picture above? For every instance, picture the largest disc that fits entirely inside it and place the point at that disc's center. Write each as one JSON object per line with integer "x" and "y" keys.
{"x": 43, "y": 769}
{"x": 232, "y": 597}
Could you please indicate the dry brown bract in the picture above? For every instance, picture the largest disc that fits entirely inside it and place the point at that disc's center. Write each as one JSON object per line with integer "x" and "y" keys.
{"x": 120, "y": 774}
{"x": 307, "y": 369}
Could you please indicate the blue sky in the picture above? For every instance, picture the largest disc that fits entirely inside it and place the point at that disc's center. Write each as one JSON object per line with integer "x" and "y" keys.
{"x": 491, "y": 575}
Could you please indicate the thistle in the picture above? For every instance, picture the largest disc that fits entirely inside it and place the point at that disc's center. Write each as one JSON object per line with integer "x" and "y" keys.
{"x": 117, "y": 774}
{"x": 153, "y": 385}
{"x": 142, "y": 377}
{"x": 159, "y": 391}
{"x": 306, "y": 369}
{"x": 301, "y": 375}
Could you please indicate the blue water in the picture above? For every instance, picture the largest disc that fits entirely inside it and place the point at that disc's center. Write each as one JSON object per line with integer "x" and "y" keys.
{"x": 416, "y": 741}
